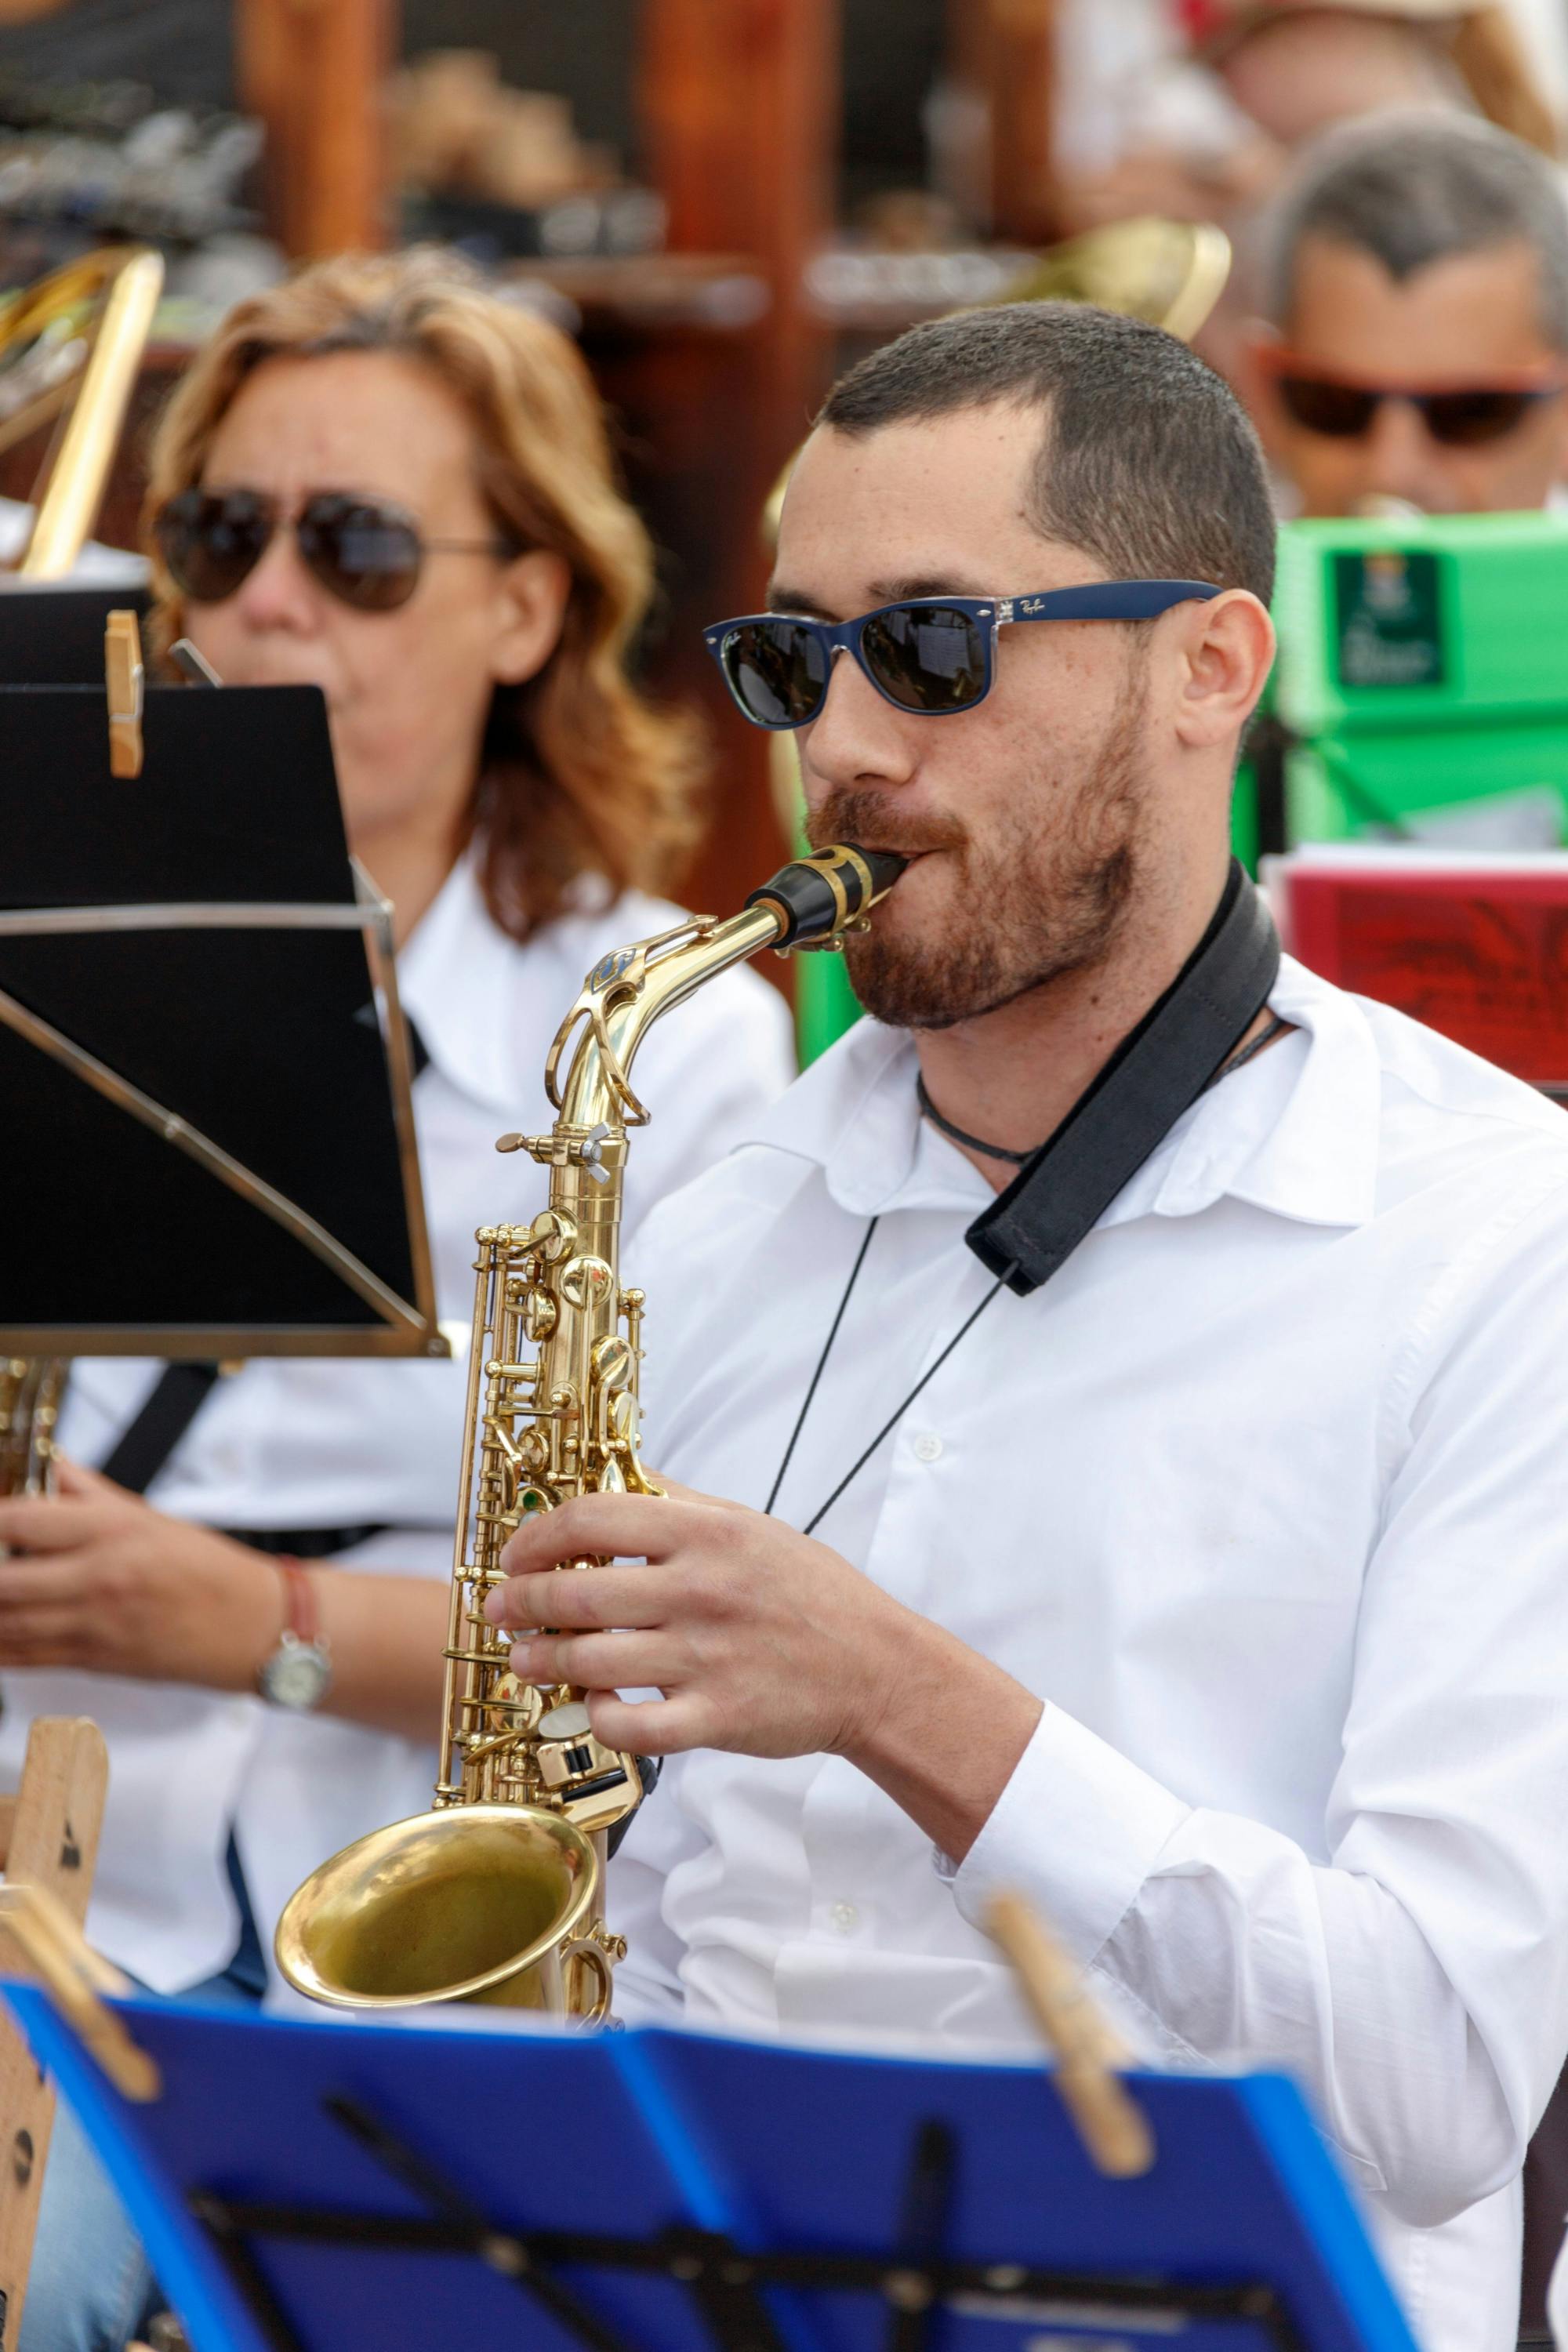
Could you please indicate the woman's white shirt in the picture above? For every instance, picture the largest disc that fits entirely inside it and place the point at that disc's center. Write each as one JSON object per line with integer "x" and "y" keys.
{"x": 324, "y": 1444}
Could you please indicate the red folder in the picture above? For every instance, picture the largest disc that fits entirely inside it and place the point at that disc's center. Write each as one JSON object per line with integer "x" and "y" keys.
{"x": 1474, "y": 945}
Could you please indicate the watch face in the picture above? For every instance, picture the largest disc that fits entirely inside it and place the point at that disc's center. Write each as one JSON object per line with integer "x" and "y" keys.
{"x": 298, "y": 1674}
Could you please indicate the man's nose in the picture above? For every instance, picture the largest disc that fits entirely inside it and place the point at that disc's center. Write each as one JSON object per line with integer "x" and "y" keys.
{"x": 859, "y": 737}
{"x": 1401, "y": 460}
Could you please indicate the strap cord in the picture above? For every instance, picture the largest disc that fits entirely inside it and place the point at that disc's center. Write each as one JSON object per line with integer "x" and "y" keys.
{"x": 1276, "y": 1027}
{"x": 970, "y": 1142}
{"x": 821, "y": 1368}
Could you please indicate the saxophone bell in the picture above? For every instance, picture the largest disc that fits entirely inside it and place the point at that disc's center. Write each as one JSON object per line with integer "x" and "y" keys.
{"x": 477, "y": 1903}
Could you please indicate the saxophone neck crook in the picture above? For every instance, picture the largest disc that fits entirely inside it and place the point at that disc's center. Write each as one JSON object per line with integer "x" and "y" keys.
{"x": 627, "y": 991}
{"x": 813, "y": 902}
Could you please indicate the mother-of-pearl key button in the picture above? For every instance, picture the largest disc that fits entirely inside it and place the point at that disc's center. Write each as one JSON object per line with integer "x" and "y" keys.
{"x": 928, "y": 1447}
{"x": 844, "y": 1917}
{"x": 568, "y": 1721}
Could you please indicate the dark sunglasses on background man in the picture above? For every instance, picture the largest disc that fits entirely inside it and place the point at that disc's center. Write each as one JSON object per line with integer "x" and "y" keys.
{"x": 366, "y": 551}
{"x": 1461, "y": 416}
{"x": 935, "y": 655}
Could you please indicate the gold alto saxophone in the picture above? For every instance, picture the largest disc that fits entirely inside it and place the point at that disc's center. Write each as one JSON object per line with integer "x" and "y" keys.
{"x": 30, "y": 1391}
{"x": 496, "y": 1895}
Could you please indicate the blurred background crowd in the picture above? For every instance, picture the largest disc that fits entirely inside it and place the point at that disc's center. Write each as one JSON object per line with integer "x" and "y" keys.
{"x": 1361, "y": 206}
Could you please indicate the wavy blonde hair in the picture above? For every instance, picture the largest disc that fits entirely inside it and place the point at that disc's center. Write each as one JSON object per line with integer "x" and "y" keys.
{"x": 580, "y": 773}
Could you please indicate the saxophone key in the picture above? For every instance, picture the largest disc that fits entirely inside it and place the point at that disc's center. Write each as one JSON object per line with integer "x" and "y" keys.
{"x": 539, "y": 1313}
{"x": 552, "y": 1234}
{"x": 613, "y": 1361}
{"x": 587, "y": 1282}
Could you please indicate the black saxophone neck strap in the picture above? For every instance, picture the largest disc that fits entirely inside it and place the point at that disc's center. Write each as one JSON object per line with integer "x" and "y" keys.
{"x": 1155, "y": 1073}
{"x": 1182, "y": 1045}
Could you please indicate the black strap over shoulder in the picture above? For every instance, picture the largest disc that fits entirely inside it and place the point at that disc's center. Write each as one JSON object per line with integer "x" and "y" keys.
{"x": 1154, "y": 1074}
{"x": 143, "y": 1448}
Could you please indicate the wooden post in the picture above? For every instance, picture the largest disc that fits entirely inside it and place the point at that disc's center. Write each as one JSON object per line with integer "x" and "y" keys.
{"x": 1003, "y": 54}
{"x": 740, "y": 101}
{"x": 313, "y": 72}
{"x": 48, "y": 1837}
{"x": 1088, "y": 2052}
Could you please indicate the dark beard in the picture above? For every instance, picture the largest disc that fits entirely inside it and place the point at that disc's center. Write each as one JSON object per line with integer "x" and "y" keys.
{"x": 1029, "y": 907}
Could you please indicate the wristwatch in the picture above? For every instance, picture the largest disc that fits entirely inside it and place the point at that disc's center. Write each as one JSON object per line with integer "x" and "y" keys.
{"x": 299, "y": 1673}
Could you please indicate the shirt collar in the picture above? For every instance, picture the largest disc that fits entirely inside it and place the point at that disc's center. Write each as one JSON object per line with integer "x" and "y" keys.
{"x": 483, "y": 1002}
{"x": 458, "y": 977}
{"x": 1295, "y": 1133}
{"x": 487, "y": 1005}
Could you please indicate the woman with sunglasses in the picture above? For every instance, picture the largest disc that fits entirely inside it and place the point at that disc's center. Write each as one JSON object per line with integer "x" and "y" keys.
{"x": 383, "y": 481}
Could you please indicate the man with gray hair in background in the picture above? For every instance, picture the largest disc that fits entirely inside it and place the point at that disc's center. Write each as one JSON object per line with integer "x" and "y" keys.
{"x": 1415, "y": 350}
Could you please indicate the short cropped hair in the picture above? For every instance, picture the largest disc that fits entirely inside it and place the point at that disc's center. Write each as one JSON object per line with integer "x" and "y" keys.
{"x": 1418, "y": 188}
{"x": 1146, "y": 461}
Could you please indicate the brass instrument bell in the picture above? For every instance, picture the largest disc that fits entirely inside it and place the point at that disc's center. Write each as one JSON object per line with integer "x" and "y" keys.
{"x": 1168, "y": 272}
{"x": 73, "y": 342}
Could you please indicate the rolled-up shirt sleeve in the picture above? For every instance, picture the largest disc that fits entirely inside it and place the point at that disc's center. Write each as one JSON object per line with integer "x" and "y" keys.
{"x": 1414, "y": 1973}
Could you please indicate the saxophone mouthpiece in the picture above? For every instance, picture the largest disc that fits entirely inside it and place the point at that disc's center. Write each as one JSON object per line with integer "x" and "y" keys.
{"x": 822, "y": 897}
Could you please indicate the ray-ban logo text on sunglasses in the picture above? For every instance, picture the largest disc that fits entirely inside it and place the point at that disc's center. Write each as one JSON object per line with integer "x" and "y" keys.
{"x": 933, "y": 654}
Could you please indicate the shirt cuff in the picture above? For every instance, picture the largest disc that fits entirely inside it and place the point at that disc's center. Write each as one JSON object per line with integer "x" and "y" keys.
{"x": 1078, "y": 1829}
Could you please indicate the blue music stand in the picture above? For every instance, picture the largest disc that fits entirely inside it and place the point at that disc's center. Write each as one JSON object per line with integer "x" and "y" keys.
{"x": 325, "y": 2188}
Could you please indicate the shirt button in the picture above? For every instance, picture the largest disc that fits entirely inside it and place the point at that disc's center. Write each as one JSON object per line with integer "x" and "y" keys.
{"x": 928, "y": 1447}
{"x": 846, "y": 1918}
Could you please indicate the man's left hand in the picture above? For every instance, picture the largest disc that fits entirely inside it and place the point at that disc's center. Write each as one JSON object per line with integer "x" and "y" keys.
{"x": 761, "y": 1641}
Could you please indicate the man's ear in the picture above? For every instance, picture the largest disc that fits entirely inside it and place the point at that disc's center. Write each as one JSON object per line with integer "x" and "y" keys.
{"x": 1227, "y": 656}
{"x": 533, "y": 590}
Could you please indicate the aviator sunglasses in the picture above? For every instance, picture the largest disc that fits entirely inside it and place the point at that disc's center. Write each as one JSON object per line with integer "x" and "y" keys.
{"x": 935, "y": 655}
{"x": 1464, "y": 416}
{"x": 366, "y": 551}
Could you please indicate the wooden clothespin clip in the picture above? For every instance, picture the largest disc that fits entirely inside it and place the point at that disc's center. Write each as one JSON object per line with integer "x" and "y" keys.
{"x": 1113, "y": 2126}
{"x": 125, "y": 677}
{"x": 79, "y": 1980}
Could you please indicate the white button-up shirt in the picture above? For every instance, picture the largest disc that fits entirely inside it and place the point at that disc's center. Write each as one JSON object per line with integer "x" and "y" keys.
{"x": 1266, "y": 1494}
{"x": 325, "y": 1444}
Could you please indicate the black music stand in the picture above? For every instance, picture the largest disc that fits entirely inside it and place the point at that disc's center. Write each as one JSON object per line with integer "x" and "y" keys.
{"x": 54, "y": 635}
{"x": 207, "y": 1135}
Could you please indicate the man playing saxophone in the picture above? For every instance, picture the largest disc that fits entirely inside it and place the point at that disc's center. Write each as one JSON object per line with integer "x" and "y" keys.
{"x": 383, "y": 480}
{"x": 1211, "y": 1591}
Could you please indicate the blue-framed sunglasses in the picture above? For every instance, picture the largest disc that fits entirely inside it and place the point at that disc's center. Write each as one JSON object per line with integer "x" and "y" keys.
{"x": 935, "y": 655}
